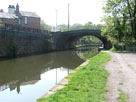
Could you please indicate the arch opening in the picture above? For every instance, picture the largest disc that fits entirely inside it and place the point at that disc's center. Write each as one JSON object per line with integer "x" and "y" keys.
{"x": 83, "y": 41}
{"x": 89, "y": 41}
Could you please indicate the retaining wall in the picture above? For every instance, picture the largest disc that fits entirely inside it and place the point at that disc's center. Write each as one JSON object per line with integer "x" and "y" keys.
{"x": 17, "y": 43}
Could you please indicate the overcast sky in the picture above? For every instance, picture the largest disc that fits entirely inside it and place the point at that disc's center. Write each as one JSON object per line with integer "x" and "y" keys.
{"x": 81, "y": 11}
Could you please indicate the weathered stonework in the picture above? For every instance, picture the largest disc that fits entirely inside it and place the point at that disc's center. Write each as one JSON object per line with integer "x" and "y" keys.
{"x": 67, "y": 40}
{"x": 21, "y": 43}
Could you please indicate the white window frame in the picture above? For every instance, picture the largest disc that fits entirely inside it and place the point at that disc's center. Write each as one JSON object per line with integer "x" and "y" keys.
{"x": 26, "y": 20}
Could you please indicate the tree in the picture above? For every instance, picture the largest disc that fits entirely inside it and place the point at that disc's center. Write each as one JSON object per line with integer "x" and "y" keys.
{"x": 62, "y": 27}
{"x": 77, "y": 26}
{"x": 131, "y": 6}
{"x": 88, "y": 25}
{"x": 45, "y": 26}
{"x": 98, "y": 26}
{"x": 120, "y": 21}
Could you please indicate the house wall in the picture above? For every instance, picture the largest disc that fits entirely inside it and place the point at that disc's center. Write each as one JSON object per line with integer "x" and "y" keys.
{"x": 32, "y": 22}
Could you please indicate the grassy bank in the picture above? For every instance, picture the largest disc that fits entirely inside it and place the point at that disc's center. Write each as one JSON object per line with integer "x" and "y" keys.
{"x": 88, "y": 84}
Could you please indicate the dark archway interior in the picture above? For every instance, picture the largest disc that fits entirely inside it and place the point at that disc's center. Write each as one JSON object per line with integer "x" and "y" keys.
{"x": 72, "y": 41}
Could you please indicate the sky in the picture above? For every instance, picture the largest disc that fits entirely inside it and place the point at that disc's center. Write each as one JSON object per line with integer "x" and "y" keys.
{"x": 81, "y": 11}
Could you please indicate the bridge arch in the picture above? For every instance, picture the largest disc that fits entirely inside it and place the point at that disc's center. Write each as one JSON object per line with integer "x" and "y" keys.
{"x": 66, "y": 40}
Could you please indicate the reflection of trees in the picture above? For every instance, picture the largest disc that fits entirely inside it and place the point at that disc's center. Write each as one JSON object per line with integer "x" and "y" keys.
{"x": 27, "y": 70}
{"x": 86, "y": 53}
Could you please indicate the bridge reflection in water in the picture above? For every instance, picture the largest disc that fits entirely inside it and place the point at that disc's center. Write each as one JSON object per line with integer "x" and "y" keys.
{"x": 33, "y": 74}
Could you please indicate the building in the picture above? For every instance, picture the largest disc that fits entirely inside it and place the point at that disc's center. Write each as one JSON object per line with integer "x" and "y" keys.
{"x": 21, "y": 18}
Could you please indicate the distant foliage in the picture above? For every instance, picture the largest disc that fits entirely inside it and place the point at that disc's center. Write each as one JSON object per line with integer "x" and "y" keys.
{"x": 45, "y": 26}
{"x": 77, "y": 26}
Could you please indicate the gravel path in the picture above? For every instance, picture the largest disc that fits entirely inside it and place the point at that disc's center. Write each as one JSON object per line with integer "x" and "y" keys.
{"x": 122, "y": 69}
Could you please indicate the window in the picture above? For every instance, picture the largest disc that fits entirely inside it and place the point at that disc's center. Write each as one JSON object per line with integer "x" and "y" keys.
{"x": 26, "y": 20}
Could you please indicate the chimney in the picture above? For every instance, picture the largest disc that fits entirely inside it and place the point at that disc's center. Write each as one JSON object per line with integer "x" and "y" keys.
{"x": 11, "y": 9}
{"x": 17, "y": 8}
{"x": 17, "y": 11}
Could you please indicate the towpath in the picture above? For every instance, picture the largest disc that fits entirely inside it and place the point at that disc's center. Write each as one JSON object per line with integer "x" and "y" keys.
{"x": 122, "y": 69}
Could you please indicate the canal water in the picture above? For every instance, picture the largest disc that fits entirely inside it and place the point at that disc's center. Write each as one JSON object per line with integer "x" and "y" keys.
{"x": 28, "y": 78}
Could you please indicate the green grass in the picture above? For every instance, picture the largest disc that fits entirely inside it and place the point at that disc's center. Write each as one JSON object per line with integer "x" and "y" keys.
{"x": 129, "y": 65}
{"x": 123, "y": 97}
{"x": 121, "y": 83}
{"x": 88, "y": 84}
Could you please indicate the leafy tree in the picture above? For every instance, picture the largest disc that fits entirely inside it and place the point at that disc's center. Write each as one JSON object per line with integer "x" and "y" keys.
{"x": 45, "y": 26}
{"x": 62, "y": 27}
{"x": 98, "y": 26}
{"x": 120, "y": 21}
{"x": 88, "y": 25}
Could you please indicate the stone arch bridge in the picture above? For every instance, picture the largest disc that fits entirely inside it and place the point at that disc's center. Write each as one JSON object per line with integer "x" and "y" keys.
{"x": 67, "y": 40}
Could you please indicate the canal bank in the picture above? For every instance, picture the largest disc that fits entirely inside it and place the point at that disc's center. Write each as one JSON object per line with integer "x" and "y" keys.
{"x": 62, "y": 83}
{"x": 87, "y": 84}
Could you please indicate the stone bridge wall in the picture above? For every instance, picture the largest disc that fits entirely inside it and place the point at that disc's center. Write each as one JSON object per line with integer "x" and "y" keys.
{"x": 67, "y": 40}
{"x": 17, "y": 43}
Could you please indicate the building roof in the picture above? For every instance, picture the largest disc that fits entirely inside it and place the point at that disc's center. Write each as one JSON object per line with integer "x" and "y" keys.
{"x": 29, "y": 14}
{"x": 7, "y": 15}
{"x": 13, "y": 16}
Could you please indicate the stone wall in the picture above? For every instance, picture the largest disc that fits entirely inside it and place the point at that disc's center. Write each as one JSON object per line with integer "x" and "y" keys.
{"x": 17, "y": 43}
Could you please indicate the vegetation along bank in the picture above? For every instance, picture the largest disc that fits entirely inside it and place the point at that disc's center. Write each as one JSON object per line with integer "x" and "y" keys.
{"x": 88, "y": 84}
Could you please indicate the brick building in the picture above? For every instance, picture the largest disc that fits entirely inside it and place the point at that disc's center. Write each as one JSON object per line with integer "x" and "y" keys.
{"x": 22, "y": 18}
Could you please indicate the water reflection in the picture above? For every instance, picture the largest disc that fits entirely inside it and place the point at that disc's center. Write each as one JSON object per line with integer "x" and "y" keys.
{"x": 27, "y": 71}
{"x": 87, "y": 52}
{"x": 26, "y": 79}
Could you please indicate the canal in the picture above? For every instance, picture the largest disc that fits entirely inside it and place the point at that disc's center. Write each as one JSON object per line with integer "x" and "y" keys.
{"x": 28, "y": 78}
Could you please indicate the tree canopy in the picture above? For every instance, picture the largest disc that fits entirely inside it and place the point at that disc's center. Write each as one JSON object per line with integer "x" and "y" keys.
{"x": 45, "y": 26}
{"x": 120, "y": 21}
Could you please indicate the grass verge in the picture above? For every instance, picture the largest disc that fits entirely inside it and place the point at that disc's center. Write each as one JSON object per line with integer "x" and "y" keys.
{"x": 88, "y": 84}
{"x": 123, "y": 97}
